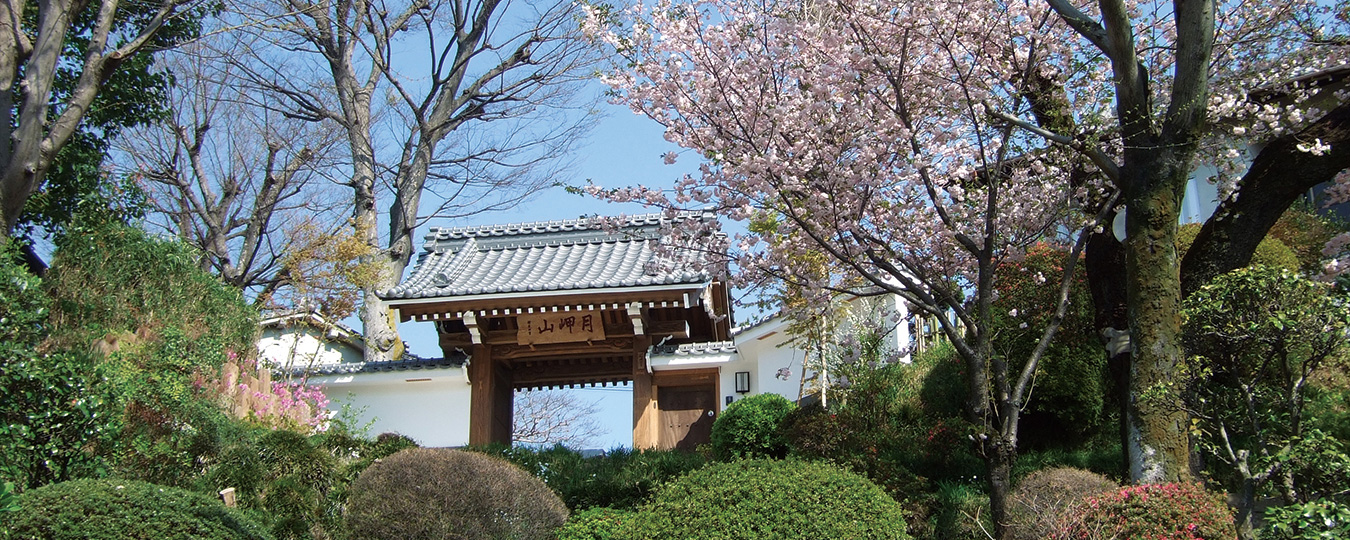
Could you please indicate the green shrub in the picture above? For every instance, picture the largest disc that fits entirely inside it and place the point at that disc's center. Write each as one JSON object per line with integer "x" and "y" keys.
{"x": 1068, "y": 405}
{"x": 113, "y": 509}
{"x": 58, "y": 421}
{"x": 958, "y": 511}
{"x": 162, "y": 327}
{"x": 1321, "y": 519}
{"x": 620, "y": 479}
{"x": 438, "y": 493}
{"x": 23, "y": 304}
{"x": 283, "y": 477}
{"x": 769, "y": 500}
{"x": 9, "y": 501}
{"x": 1040, "y": 500}
{"x": 1271, "y": 251}
{"x": 596, "y": 524}
{"x": 1163, "y": 511}
{"x": 752, "y": 427}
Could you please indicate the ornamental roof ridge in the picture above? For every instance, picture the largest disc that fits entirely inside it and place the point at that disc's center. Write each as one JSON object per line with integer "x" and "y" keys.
{"x": 535, "y": 227}
{"x": 685, "y": 349}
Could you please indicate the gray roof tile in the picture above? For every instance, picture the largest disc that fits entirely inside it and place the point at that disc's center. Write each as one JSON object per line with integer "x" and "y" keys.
{"x": 694, "y": 349}
{"x": 408, "y": 363}
{"x": 544, "y": 256}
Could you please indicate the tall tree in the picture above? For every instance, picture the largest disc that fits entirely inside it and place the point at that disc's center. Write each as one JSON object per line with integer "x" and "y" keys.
{"x": 244, "y": 184}
{"x": 883, "y": 136}
{"x": 1177, "y": 71}
{"x": 864, "y": 131}
{"x": 55, "y": 58}
{"x": 544, "y": 417}
{"x": 481, "y": 101}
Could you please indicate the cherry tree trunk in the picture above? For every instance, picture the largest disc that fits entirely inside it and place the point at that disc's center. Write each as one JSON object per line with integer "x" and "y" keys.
{"x": 1158, "y": 443}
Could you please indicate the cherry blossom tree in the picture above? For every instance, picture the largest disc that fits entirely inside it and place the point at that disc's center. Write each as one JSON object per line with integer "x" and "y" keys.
{"x": 919, "y": 145}
{"x": 859, "y": 139}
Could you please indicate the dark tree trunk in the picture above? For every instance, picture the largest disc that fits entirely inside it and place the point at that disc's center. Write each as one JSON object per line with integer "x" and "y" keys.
{"x": 1277, "y": 177}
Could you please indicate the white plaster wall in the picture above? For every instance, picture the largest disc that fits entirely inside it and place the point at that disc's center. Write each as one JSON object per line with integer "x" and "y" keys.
{"x": 760, "y": 354}
{"x": 298, "y": 345}
{"x": 433, "y": 412}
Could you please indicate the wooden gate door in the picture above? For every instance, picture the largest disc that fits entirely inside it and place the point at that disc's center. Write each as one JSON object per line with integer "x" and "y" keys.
{"x": 687, "y": 414}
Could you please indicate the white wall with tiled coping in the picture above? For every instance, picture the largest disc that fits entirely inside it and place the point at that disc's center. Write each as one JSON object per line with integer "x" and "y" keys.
{"x": 432, "y": 405}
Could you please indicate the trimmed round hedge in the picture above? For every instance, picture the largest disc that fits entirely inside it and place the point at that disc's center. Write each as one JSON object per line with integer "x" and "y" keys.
{"x": 111, "y": 509}
{"x": 436, "y": 493}
{"x": 752, "y": 428}
{"x": 769, "y": 500}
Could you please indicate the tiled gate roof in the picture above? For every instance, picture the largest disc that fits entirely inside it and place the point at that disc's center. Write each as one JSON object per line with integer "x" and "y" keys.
{"x": 546, "y": 256}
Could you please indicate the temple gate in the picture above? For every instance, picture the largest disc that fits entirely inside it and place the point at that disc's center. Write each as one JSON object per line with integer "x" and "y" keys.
{"x": 572, "y": 303}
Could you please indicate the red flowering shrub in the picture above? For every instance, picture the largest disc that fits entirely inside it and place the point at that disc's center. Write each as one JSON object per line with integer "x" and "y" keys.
{"x": 1153, "y": 511}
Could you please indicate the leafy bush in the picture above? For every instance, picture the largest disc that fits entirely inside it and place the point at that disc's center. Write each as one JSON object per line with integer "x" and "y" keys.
{"x": 1305, "y": 232}
{"x": 9, "y": 501}
{"x": 596, "y": 524}
{"x": 282, "y": 476}
{"x": 439, "y": 493}
{"x": 768, "y": 500}
{"x": 1042, "y": 498}
{"x": 620, "y": 479}
{"x": 1068, "y": 405}
{"x": 959, "y": 511}
{"x": 1270, "y": 252}
{"x": 751, "y": 427}
{"x": 23, "y": 305}
{"x": 1254, "y": 336}
{"x": 1321, "y": 519}
{"x": 163, "y": 326}
{"x": 58, "y": 421}
{"x": 113, "y": 509}
{"x": 1161, "y": 511}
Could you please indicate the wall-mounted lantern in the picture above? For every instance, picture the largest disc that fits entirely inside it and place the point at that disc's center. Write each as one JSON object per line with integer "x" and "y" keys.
{"x": 742, "y": 382}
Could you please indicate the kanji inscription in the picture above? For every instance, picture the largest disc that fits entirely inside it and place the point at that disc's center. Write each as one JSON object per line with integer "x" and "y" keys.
{"x": 559, "y": 327}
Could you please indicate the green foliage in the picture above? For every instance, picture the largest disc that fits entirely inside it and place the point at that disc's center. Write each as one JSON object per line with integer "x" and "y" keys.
{"x": 23, "y": 304}
{"x": 596, "y": 524}
{"x": 1305, "y": 232}
{"x": 1167, "y": 511}
{"x": 762, "y": 499}
{"x": 58, "y": 421}
{"x": 960, "y": 511}
{"x": 750, "y": 427}
{"x": 1319, "y": 519}
{"x": 282, "y": 476}
{"x": 1254, "y": 336}
{"x": 1319, "y": 466}
{"x": 115, "y": 509}
{"x": 134, "y": 94}
{"x": 1270, "y": 252}
{"x": 424, "y": 493}
{"x": 620, "y": 479}
{"x": 1068, "y": 404}
{"x": 115, "y": 280}
{"x": 164, "y": 326}
{"x": 900, "y": 426}
{"x": 9, "y": 501}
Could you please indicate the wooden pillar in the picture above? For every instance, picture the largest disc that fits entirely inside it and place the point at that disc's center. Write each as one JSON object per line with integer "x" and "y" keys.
{"x": 644, "y": 398}
{"x": 490, "y": 399}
